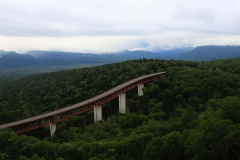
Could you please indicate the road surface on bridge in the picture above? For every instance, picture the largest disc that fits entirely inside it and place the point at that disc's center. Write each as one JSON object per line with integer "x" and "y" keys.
{"x": 81, "y": 104}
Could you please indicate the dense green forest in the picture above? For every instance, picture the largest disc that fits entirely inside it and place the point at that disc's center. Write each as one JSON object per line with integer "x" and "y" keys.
{"x": 191, "y": 113}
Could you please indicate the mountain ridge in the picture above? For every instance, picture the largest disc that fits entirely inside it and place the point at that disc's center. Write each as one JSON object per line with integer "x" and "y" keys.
{"x": 50, "y": 58}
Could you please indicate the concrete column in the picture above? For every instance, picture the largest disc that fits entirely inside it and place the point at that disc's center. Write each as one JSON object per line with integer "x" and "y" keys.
{"x": 98, "y": 114}
{"x": 53, "y": 128}
{"x": 122, "y": 103}
{"x": 140, "y": 91}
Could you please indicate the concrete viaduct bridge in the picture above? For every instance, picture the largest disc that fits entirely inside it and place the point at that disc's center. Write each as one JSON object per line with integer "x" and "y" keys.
{"x": 51, "y": 118}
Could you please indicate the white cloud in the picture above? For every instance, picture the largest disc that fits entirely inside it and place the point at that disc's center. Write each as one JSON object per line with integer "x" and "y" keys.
{"x": 86, "y": 44}
{"x": 111, "y": 25}
{"x": 158, "y": 43}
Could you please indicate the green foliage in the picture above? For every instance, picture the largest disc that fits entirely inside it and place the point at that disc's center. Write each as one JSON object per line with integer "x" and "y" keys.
{"x": 169, "y": 146}
{"x": 191, "y": 113}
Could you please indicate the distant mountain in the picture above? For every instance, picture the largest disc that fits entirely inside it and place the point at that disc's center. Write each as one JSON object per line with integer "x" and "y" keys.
{"x": 208, "y": 53}
{"x": 53, "y": 58}
{"x": 118, "y": 52}
{"x": 46, "y": 58}
{"x": 145, "y": 54}
{"x": 137, "y": 54}
{"x": 2, "y": 52}
{"x": 15, "y": 60}
{"x": 70, "y": 56}
{"x": 176, "y": 51}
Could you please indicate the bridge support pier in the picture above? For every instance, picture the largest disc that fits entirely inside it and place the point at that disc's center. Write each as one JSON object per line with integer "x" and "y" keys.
{"x": 122, "y": 103}
{"x": 97, "y": 114}
{"x": 140, "y": 91}
{"x": 53, "y": 128}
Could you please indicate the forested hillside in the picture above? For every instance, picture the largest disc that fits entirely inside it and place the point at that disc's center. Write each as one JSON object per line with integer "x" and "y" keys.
{"x": 191, "y": 113}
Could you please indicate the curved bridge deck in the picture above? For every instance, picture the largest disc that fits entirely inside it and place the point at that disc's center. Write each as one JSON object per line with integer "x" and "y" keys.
{"x": 76, "y": 109}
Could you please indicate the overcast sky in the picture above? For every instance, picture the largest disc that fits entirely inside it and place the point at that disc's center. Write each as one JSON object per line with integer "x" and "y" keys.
{"x": 113, "y": 25}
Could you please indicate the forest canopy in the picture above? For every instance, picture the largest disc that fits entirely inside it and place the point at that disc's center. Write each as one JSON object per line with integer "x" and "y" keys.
{"x": 191, "y": 113}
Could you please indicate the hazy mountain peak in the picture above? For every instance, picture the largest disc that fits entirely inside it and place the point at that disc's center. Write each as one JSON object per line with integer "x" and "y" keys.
{"x": 118, "y": 52}
{"x": 123, "y": 50}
